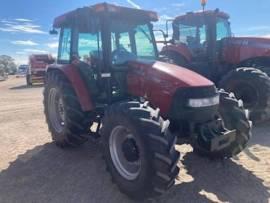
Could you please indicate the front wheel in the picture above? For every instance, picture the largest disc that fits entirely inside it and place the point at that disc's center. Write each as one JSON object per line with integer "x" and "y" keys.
{"x": 139, "y": 150}
{"x": 234, "y": 118}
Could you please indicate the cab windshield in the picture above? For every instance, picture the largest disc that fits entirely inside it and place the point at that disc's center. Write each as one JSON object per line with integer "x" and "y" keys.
{"x": 194, "y": 36}
{"x": 131, "y": 42}
{"x": 194, "y": 32}
{"x": 191, "y": 32}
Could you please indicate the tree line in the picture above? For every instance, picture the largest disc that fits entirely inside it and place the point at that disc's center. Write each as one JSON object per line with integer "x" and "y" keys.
{"x": 7, "y": 64}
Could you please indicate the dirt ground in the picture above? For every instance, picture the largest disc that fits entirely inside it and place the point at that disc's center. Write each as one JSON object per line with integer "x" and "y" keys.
{"x": 32, "y": 169}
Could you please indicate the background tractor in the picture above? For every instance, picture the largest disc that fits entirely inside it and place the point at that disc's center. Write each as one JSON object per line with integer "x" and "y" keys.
{"x": 37, "y": 68}
{"x": 107, "y": 73}
{"x": 203, "y": 42}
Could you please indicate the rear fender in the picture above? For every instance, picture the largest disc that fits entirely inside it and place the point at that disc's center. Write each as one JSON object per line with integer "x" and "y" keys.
{"x": 72, "y": 74}
{"x": 180, "y": 49}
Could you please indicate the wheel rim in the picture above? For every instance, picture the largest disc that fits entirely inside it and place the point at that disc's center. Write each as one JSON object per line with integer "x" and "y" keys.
{"x": 125, "y": 152}
{"x": 248, "y": 94}
{"x": 56, "y": 110}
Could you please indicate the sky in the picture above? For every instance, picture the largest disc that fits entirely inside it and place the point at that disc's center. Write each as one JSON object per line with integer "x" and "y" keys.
{"x": 24, "y": 24}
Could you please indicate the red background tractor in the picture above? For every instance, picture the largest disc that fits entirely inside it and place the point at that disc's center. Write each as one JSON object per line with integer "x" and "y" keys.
{"x": 37, "y": 68}
{"x": 203, "y": 42}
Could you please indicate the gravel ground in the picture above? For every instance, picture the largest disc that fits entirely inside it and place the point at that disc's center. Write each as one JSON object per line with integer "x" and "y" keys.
{"x": 32, "y": 169}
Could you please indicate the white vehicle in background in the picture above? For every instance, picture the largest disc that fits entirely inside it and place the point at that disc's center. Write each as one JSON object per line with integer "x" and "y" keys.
{"x": 22, "y": 70}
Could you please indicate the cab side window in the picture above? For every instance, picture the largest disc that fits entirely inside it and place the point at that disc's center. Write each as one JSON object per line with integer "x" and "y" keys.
{"x": 64, "y": 46}
{"x": 144, "y": 43}
{"x": 124, "y": 41}
{"x": 89, "y": 44}
{"x": 223, "y": 29}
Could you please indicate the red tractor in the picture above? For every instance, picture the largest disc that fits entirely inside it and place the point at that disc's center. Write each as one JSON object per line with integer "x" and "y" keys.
{"x": 37, "y": 68}
{"x": 203, "y": 42}
{"x": 107, "y": 75}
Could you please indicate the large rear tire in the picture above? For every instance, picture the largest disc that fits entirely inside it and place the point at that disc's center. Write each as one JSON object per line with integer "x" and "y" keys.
{"x": 68, "y": 124}
{"x": 264, "y": 69}
{"x": 139, "y": 150}
{"x": 234, "y": 117}
{"x": 28, "y": 80}
{"x": 252, "y": 86}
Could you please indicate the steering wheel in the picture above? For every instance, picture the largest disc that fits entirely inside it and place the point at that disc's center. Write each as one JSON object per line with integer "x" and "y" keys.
{"x": 121, "y": 55}
{"x": 205, "y": 45}
{"x": 117, "y": 52}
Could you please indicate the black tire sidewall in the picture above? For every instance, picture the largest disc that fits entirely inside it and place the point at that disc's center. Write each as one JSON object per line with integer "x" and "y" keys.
{"x": 28, "y": 80}
{"x": 58, "y": 137}
{"x": 77, "y": 122}
{"x": 146, "y": 159}
{"x": 243, "y": 79}
{"x": 260, "y": 83}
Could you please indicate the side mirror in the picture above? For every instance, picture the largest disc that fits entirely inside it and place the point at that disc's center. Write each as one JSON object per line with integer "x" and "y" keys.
{"x": 53, "y": 32}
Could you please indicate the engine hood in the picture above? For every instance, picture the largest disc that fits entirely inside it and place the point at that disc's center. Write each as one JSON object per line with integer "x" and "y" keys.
{"x": 175, "y": 75}
{"x": 251, "y": 42}
{"x": 158, "y": 82}
{"x": 239, "y": 49}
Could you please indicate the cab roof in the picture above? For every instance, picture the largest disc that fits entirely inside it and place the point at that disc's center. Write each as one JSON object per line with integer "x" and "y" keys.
{"x": 41, "y": 57}
{"x": 102, "y": 9}
{"x": 195, "y": 15}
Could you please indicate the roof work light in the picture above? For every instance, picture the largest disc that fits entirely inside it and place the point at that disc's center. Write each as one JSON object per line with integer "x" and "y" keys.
{"x": 203, "y": 3}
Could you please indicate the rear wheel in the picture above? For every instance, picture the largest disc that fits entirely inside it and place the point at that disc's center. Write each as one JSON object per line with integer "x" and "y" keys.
{"x": 265, "y": 70}
{"x": 28, "y": 80}
{"x": 68, "y": 124}
{"x": 252, "y": 86}
{"x": 234, "y": 117}
{"x": 139, "y": 150}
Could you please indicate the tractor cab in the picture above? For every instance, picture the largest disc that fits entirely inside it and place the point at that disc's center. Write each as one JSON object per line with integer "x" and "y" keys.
{"x": 201, "y": 34}
{"x": 101, "y": 42}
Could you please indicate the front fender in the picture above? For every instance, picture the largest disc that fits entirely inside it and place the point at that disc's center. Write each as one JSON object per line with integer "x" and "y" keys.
{"x": 73, "y": 75}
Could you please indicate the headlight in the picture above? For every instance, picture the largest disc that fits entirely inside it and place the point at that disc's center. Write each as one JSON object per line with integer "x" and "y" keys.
{"x": 203, "y": 102}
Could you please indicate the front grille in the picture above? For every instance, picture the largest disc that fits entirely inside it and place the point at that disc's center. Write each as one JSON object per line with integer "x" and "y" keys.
{"x": 180, "y": 110}
{"x": 196, "y": 92}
